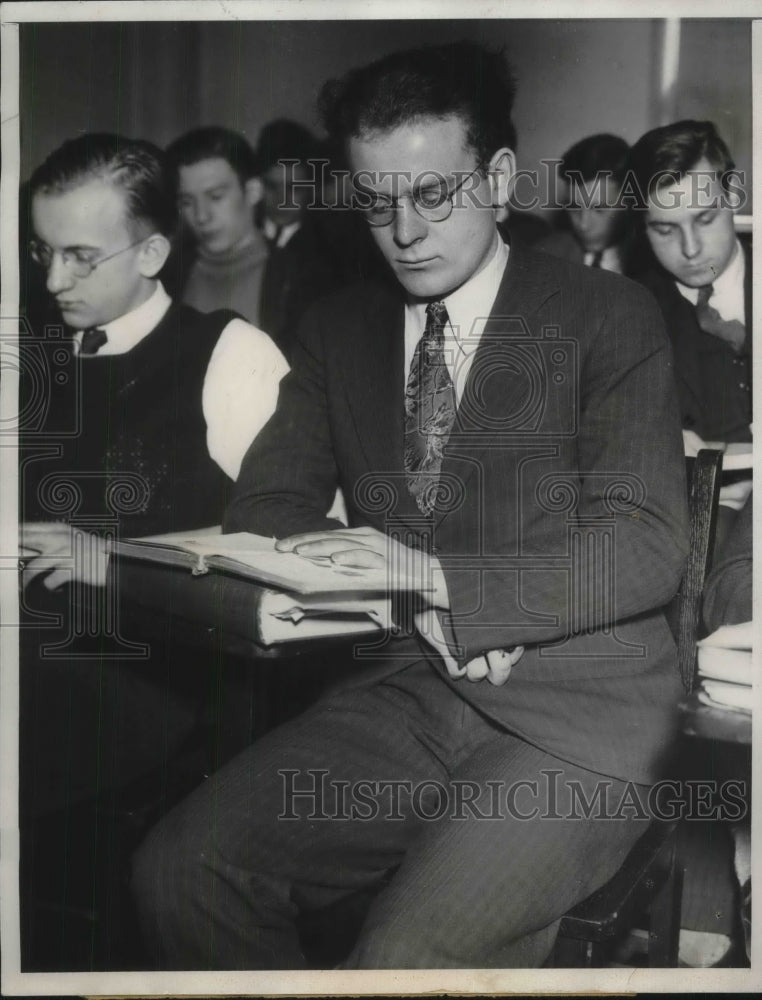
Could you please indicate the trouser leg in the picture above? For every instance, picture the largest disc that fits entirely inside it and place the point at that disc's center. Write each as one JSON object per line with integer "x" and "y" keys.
{"x": 221, "y": 880}
{"x": 488, "y": 888}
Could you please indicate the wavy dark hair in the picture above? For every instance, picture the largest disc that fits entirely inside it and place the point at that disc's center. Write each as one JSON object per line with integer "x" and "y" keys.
{"x": 462, "y": 78}
{"x": 596, "y": 154}
{"x": 209, "y": 143}
{"x": 664, "y": 155}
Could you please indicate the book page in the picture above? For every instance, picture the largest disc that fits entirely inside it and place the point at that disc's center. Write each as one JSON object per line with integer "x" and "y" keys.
{"x": 730, "y": 637}
{"x": 255, "y": 557}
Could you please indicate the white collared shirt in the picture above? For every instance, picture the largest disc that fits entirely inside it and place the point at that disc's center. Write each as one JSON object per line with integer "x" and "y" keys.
{"x": 727, "y": 289}
{"x": 611, "y": 259}
{"x": 127, "y": 331}
{"x": 284, "y": 233}
{"x": 468, "y": 309}
{"x": 240, "y": 390}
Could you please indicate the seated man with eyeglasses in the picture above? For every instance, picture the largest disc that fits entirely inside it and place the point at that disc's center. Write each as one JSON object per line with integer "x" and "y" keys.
{"x": 477, "y": 411}
{"x": 138, "y": 427}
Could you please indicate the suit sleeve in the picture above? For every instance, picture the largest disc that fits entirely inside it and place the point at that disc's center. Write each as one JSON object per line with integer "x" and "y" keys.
{"x": 288, "y": 477}
{"x": 629, "y": 434}
{"x": 728, "y": 592}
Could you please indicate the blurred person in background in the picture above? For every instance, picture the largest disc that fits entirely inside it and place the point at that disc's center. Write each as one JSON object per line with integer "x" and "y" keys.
{"x": 596, "y": 234}
{"x": 217, "y": 187}
{"x": 301, "y": 265}
{"x": 700, "y": 272}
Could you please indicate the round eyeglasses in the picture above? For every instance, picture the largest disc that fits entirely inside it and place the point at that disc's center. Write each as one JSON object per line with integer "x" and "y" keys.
{"x": 433, "y": 202}
{"x": 77, "y": 262}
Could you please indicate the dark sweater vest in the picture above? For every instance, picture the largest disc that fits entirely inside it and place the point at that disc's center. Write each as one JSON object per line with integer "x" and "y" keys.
{"x": 130, "y": 434}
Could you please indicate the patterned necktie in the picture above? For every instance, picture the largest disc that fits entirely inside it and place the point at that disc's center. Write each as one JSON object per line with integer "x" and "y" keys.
{"x": 710, "y": 321}
{"x": 429, "y": 410}
{"x": 92, "y": 341}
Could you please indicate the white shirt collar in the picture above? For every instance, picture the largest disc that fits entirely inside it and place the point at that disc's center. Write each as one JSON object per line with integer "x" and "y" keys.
{"x": 470, "y": 305}
{"x": 468, "y": 309}
{"x": 284, "y": 233}
{"x": 127, "y": 331}
{"x": 611, "y": 259}
{"x": 728, "y": 289}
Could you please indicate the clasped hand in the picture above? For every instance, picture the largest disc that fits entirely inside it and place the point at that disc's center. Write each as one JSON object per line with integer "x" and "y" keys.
{"x": 64, "y": 553}
{"x": 368, "y": 548}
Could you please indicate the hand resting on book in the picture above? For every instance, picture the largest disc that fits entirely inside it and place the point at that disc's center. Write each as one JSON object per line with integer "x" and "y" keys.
{"x": 369, "y": 548}
{"x": 65, "y": 554}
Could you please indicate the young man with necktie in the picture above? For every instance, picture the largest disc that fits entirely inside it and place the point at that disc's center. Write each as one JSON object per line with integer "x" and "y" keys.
{"x": 688, "y": 192}
{"x": 476, "y": 413}
{"x": 301, "y": 264}
{"x": 145, "y": 418}
{"x": 596, "y": 225}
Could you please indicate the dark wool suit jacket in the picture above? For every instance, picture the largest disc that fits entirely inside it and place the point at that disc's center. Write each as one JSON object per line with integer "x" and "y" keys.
{"x": 295, "y": 276}
{"x": 713, "y": 382}
{"x": 567, "y": 498}
{"x": 561, "y": 243}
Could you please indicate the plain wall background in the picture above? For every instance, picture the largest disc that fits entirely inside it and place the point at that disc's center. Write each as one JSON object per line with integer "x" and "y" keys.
{"x": 575, "y": 77}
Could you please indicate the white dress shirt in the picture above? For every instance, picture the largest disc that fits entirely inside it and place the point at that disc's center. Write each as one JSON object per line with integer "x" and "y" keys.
{"x": 240, "y": 386}
{"x": 468, "y": 309}
{"x": 727, "y": 289}
{"x": 127, "y": 331}
{"x": 611, "y": 259}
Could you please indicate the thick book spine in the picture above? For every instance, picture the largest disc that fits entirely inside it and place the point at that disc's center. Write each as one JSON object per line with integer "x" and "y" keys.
{"x": 220, "y": 610}
{"x": 208, "y": 607}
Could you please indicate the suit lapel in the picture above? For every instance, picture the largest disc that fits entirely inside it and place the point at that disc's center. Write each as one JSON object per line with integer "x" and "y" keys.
{"x": 684, "y": 332}
{"x": 485, "y": 409}
{"x": 374, "y": 364}
{"x": 375, "y": 391}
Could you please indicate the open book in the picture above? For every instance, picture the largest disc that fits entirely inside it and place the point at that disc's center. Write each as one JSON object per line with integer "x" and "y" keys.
{"x": 256, "y": 558}
{"x": 259, "y": 593}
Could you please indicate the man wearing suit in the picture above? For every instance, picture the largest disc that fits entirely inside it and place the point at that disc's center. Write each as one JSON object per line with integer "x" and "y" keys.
{"x": 596, "y": 234}
{"x": 701, "y": 273}
{"x": 300, "y": 266}
{"x": 476, "y": 415}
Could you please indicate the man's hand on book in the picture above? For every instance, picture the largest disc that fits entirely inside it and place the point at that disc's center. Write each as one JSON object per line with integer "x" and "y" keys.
{"x": 65, "y": 554}
{"x": 367, "y": 548}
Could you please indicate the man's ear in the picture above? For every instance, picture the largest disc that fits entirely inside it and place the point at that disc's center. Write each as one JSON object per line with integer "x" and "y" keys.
{"x": 502, "y": 170}
{"x": 153, "y": 255}
{"x": 253, "y": 190}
